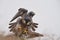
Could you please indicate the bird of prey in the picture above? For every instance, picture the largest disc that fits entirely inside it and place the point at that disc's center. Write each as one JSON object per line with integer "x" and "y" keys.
{"x": 28, "y": 19}
{"x": 24, "y": 24}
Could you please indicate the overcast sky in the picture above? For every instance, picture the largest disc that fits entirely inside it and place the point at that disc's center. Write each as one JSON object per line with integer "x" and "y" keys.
{"x": 47, "y": 14}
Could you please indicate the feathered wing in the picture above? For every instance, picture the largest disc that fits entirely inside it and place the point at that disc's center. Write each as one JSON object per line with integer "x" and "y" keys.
{"x": 21, "y": 11}
{"x": 13, "y": 25}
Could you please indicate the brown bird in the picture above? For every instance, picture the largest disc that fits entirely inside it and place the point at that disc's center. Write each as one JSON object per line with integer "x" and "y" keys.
{"x": 24, "y": 24}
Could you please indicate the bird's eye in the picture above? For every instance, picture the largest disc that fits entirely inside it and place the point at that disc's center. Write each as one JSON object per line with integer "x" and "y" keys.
{"x": 28, "y": 23}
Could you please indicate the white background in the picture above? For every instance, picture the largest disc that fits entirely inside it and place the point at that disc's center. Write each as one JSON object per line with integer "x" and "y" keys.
{"x": 47, "y": 14}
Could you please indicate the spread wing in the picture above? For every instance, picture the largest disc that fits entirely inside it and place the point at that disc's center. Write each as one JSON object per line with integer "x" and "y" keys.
{"x": 21, "y": 11}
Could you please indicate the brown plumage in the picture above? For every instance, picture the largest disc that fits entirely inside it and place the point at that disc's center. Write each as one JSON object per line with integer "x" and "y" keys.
{"x": 24, "y": 24}
{"x": 34, "y": 34}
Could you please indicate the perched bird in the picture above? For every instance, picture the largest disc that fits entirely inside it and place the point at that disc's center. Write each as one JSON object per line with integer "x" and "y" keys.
{"x": 27, "y": 20}
{"x": 24, "y": 24}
